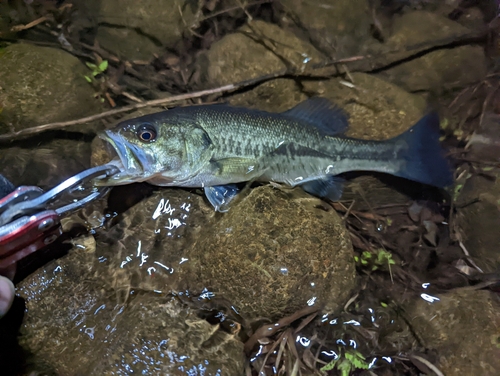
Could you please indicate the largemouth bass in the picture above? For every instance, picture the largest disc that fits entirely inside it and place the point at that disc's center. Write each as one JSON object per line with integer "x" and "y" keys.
{"x": 215, "y": 146}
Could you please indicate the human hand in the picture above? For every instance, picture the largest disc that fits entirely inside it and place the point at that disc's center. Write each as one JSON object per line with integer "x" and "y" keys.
{"x": 7, "y": 292}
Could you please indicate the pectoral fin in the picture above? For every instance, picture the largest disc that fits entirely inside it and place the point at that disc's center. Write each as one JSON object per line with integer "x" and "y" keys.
{"x": 221, "y": 195}
{"x": 243, "y": 169}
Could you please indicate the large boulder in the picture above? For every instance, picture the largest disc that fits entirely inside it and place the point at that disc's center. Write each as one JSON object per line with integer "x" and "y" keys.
{"x": 146, "y": 24}
{"x": 340, "y": 26}
{"x": 276, "y": 252}
{"x": 40, "y": 85}
{"x": 445, "y": 68}
{"x": 256, "y": 49}
{"x": 463, "y": 327}
{"x": 106, "y": 307}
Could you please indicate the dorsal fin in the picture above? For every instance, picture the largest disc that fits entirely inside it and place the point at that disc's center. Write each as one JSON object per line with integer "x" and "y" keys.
{"x": 322, "y": 114}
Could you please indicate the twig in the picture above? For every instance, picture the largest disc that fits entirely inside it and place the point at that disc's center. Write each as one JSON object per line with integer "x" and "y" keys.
{"x": 88, "y": 119}
{"x": 29, "y": 25}
{"x": 468, "y": 256}
{"x": 429, "y": 365}
{"x": 132, "y": 97}
{"x": 267, "y": 331}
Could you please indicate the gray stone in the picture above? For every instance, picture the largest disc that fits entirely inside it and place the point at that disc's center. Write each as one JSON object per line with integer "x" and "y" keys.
{"x": 147, "y": 246}
{"x": 377, "y": 108}
{"x": 464, "y": 329}
{"x": 40, "y": 85}
{"x": 274, "y": 253}
{"x": 419, "y": 27}
{"x": 274, "y": 96}
{"x": 162, "y": 20}
{"x": 439, "y": 70}
{"x": 479, "y": 219}
{"x": 340, "y": 26}
{"x": 256, "y": 49}
{"x": 127, "y": 43}
{"x": 478, "y": 204}
{"x": 443, "y": 68}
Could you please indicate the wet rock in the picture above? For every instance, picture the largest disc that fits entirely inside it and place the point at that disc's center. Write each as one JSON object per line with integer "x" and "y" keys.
{"x": 464, "y": 328}
{"x": 127, "y": 43}
{"x": 147, "y": 245}
{"x": 337, "y": 25}
{"x": 377, "y": 108}
{"x": 163, "y": 22}
{"x": 275, "y": 252}
{"x": 47, "y": 164}
{"x": 443, "y": 68}
{"x": 40, "y": 85}
{"x": 258, "y": 48}
{"x": 78, "y": 321}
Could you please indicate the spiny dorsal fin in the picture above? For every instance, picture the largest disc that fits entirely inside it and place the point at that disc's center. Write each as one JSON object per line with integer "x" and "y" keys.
{"x": 322, "y": 114}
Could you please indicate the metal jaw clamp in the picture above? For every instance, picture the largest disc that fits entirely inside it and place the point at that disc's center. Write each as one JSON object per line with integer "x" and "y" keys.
{"x": 30, "y": 217}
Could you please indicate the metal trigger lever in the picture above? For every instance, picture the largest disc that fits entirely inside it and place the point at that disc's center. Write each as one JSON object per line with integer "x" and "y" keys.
{"x": 30, "y": 218}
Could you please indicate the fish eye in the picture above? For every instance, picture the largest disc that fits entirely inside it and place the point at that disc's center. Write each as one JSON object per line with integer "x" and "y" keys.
{"x": 146, "y": 133}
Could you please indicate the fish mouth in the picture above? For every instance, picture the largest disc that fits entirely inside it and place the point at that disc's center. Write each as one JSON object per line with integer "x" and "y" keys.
{"x": 131, "y": 160}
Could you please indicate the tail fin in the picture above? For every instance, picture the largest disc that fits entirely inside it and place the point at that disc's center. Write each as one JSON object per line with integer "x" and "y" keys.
{"x": 424, "y": 157}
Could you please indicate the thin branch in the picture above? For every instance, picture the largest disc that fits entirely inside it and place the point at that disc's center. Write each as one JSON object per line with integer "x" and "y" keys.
{"x": 160, "y": 102}
{"x": 30, "y": 25}
{"x": 88, "y": 119}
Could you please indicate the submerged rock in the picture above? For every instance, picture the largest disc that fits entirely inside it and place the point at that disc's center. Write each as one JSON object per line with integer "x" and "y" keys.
{"x": 41, "y": 85}
{"x": 80, "y": 321}
{"x": 275, "y": 252}
{"x": 147, "y": 246}
{"x": 463, "y": 326}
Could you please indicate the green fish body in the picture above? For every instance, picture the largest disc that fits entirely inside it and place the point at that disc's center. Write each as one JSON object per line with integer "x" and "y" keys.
{"x": 216, "y": 146}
